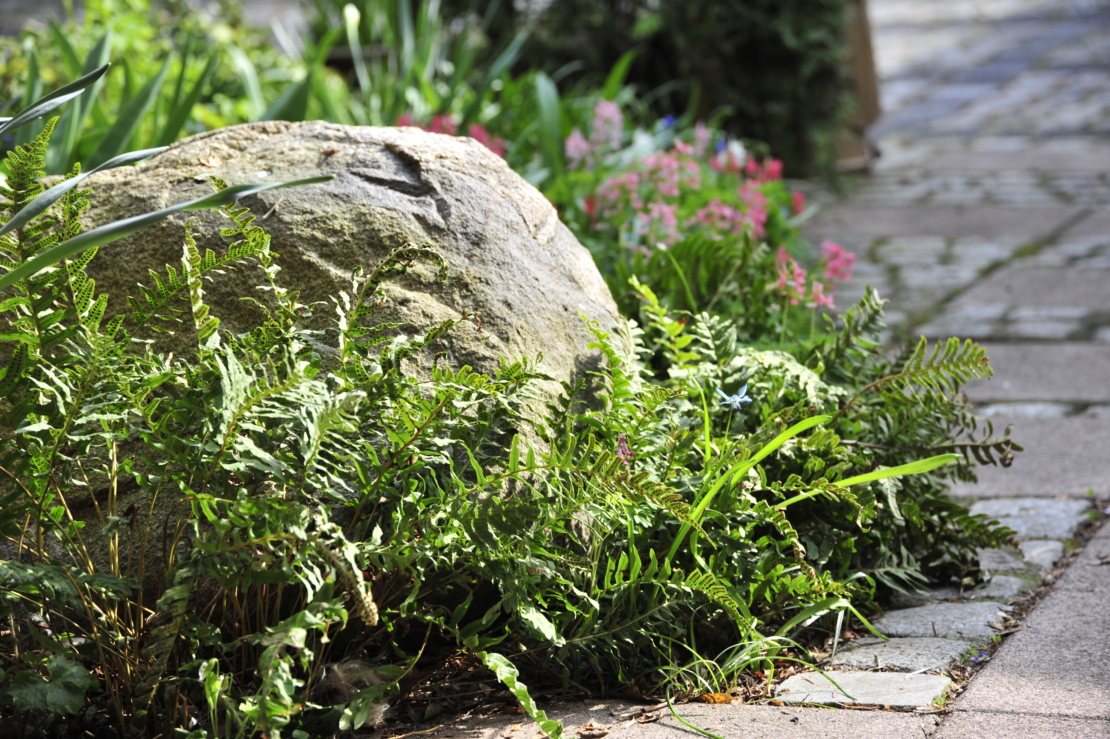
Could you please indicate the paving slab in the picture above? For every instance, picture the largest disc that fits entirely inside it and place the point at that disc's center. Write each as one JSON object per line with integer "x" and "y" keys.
{"x": 1067, "y": 372}
{"x": 968, "y": 621}
{"x": 894, "y": 689}
{"x": 979, "y": 725}
{"x": 1033, "y": 159}
{"x": 1038, "y": 287}
{"x": 1094, "y": 224}
{"x": 1037, "y": 518}
{"x": 1000, "y": 560}
{"x": 911, "y": 654}
{"x": 1057, "y": 664}
{"x": 1063, "y": 456}
{"x": 1032, "y": 222}
{"x": 1043, "y": 553}
{"x": 733, "y": 721}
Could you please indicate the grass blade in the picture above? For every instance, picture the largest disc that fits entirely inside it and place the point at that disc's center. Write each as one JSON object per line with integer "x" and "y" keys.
{"x": 550, "y": 122}
{"x": 110, "y": 232}
{"x": 121, "y": 133}
{"x": 48, "y": 198}
{"x": 181, "y": 112}
{"x": 59, "y": 97}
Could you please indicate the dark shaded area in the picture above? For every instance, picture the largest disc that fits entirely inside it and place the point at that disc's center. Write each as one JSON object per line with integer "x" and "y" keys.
{"x": 772, "y": 69}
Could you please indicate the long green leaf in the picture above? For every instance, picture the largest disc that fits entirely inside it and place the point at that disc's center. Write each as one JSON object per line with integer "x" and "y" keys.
{"x": 48, "y": 198}
{"x": 737, "y": 471}
{"x": 110, "y": 232}
{"x": 181, "y": 112}
{"x": 547, "y": 95}
{"x": 615, "y": 80}
{"x": 292, "y": 104}
{"x": 58, "y": 158}
{"x": 913, "y": 468}
{"x": 59, "y": 97}
{"x": 32, "y": 92}
{"x": 121, "y": 132}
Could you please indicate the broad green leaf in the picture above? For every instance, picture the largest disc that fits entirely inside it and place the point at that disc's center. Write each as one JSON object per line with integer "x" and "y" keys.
{"x": 63, "y": 693}
{"x": 913, "y": 468}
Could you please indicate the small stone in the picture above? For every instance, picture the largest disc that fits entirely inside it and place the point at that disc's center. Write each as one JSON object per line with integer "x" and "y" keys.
{"x": 1025, "y": 410}
{"x": 999, "y": 560}
{"x": 1001, "y": 586}
{"x": 1042, "y": 552}
{"x": 970, "y": 621}
{"x": 914, "y": 654}
{"x": 894, "y": 689}
{"x": 1036, "y": 518}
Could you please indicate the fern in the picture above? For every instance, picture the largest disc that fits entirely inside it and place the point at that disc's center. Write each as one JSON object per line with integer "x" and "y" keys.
{"x": 951, "y": 365}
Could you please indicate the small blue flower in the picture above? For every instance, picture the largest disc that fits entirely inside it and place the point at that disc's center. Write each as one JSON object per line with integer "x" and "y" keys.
{"x": 735, "y": 400}
{"x": 669, "y": 121}
{"x": 720, "y": 146}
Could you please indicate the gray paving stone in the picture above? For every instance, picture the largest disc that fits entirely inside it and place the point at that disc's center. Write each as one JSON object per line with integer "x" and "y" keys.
{"x": 1036, "y": 518}
{"x": 912, "y": 250}
{"x": 912, "y": 654}
{"x": 1042, "y": 552}
{"x": 969, "y": 621}
{"x": 1041, "y": 330}
{"x": 1067, "y": 372}
{"x": 1002, "y": 725}
{"x": 733, "y": 720}
{"x": 1032, "y": 223}
{"x": 999, "y": 560}
{"x": 1025, "y": 410}
{"x": 1063, "y": 456}
{"x": 1070, "y": 293}
{"x": 1057, "y": 663}
{"x": 1097, "y": 224}
{"x": 894, "y": 689}
{"x": 1003, "y": 587}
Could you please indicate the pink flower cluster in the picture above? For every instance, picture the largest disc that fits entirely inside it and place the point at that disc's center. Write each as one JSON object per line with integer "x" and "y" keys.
{"x": 446, "y": 124}
{"x": 606, "y": 135}
{"x": 771, "y": 169}
{"x": 836, "y": 267}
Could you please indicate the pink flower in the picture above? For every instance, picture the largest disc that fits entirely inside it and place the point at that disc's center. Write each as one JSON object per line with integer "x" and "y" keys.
{"x": 818, "y": 298}
{"x": 792, "y": 278}
{"x": 608, "y": 126}
{"x": 838, "y": 262}
{"x": 702, "y": 137}
{"x": 404, "y": 120}
{"x": 578, "y": 149}
{"x": 751, "y": 168}
{"x": 798, "y": 201}
{"x": 772, "y": 170}
{"x": 483, "y": 137}
{"x": 659, "y": 224}
{"x": 443, "y": 124}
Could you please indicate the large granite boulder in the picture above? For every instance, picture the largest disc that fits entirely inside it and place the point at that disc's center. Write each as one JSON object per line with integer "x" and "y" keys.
{"x": 512, "y": 262}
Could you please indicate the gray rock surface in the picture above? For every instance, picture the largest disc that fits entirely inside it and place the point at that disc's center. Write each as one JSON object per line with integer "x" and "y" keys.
{"x": 1036, "y": 518}
{"x": 1003, "y": 587}
{"x": 1042, "y": 552}
{"x": 511, "y": 260}
{"x": 894, "y": 689}
{"x": 970, "y": 621}
{"x": 911, "y": 654}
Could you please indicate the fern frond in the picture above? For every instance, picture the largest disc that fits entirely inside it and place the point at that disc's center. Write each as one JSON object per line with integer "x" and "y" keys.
{"x": 950, "y": 366}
